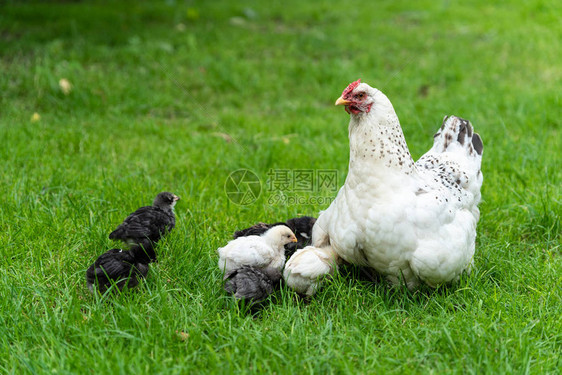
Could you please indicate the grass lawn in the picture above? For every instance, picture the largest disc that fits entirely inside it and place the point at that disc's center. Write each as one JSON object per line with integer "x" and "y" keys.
{"x": 176, "y": 95}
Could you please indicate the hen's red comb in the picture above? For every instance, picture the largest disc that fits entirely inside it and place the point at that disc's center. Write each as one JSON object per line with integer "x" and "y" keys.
{"x": 351, "y": 87}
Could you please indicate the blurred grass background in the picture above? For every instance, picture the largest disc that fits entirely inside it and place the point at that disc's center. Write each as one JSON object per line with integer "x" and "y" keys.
{"x": 177, "y": 95}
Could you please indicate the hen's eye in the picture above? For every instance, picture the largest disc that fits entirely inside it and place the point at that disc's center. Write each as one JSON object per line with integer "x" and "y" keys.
{"x": 360, "y": 96}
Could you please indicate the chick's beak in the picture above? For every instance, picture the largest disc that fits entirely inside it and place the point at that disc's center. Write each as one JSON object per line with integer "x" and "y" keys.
{"x": 176, "y": 198}
{"x": 294, "y": 239}
{"x": 342, "y": 101}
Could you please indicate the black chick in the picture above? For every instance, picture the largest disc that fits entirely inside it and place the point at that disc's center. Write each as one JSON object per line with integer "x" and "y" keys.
{"x": 301, "y": 227}
{"x": 119, "y": 267}
{"x": 251, "y": 284}
{"x": 149, "y": 222}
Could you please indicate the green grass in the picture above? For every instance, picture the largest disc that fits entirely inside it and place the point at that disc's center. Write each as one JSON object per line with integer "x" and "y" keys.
{"x": 176, "y": 95}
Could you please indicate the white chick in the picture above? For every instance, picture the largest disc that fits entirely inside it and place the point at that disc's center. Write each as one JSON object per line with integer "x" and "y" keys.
{"x": 306, "y": 268}
{"x": 266, "y": 252}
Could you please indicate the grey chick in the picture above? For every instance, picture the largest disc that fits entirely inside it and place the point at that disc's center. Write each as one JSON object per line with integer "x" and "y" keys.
{"x": 251, "y": 284}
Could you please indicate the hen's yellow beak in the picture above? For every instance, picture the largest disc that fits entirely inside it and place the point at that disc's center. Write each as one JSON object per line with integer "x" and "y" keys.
{"x": 342, "y": 101}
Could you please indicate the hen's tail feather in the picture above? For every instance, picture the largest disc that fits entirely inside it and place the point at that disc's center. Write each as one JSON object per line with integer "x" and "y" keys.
{"x": 456, "y": 130}
{"x": 465, "y": 131}
{"x": 477, "y": 143}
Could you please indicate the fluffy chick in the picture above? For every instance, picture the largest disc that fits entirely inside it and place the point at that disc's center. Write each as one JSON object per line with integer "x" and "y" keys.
{"x": 301, "y": 226}
{"x": 252, "y": 284}
{"x": 306, "y": 268}
{"x": 148, "y": 223}
{"x": 263, "y": 252}
{"x": 122, "y": 268}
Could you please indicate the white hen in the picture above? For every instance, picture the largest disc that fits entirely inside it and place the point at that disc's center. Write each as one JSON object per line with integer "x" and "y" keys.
{"x": 408, "y": 221}
{"x": 263, "y": 252}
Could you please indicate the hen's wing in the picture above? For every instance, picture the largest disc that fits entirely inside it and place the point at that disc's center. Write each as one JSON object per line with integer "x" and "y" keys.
{"x": 449, "y": 199}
